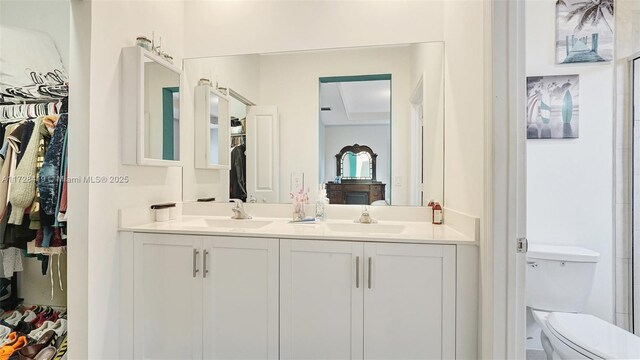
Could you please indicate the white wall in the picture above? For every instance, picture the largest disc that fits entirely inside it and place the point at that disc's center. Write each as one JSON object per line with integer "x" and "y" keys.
{"x": 228, "y": 28}
{"x": 116, "y": 24}
{"x": 427, "y": 63}
{"x": 570, "y": 182}
{"x": 374, "y": 136}
{"x": 464, "y": 106}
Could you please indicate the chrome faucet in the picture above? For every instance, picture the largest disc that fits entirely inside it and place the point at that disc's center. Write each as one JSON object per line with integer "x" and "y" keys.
{"x": 365, "y": 217}
{"x": 238, "y": 211}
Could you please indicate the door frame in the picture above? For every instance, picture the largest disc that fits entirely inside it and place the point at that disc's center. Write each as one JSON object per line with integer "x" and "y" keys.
{"x": 360, "y": 78}
{"x": 503, "y": 320}
{"x": 635, "y": 264}
{"x": 417, "y": 145}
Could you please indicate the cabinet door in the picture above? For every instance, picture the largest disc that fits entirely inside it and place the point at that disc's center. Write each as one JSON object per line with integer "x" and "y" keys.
{"x": 167, "y": 297}
{"x": 321, "y": 290}
{"x": 240, "y": 301}
{"x": 409, "y": 301}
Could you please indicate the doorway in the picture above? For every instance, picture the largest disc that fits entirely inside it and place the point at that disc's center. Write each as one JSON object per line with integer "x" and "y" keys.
{"x": 355, "y": 112}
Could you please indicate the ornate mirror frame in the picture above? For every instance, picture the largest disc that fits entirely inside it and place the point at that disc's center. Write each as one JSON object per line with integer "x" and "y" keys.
{"x": 356, "y": 149}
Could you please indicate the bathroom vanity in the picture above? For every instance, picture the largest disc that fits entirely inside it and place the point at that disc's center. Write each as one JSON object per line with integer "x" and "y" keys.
{"x": 266, "y": 288}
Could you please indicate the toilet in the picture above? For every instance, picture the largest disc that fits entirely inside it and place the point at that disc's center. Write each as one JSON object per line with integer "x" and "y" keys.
{"x": 559, "y": 281}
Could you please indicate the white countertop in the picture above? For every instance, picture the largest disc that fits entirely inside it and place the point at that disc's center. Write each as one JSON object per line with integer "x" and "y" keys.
{"x": 347, "y": 230}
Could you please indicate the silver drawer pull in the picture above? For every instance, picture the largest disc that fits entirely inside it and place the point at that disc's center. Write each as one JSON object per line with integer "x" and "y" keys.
{"x": 369, "y": 279}
{"x": 195, "y": 262}
{"x": 357, "y": 272}
{"x": 205, "y": 271}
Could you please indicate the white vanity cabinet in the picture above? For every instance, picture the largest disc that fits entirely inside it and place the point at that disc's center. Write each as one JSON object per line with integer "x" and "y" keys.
{"x": 167, "y": 297}
{"x": 354, "y": 300}
{"x": 219, "y": 297}
{"x": 204, "y": 297}
{"x": 321, "y": 293}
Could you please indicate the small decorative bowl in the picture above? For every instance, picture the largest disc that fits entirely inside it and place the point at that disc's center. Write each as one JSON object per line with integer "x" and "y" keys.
{"x": 203, "y": 82}
{"x": 143, "y": 42}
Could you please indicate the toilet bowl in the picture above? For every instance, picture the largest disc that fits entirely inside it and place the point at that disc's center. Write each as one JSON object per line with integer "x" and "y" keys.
{"x": 559, "y": 281}
{"x": 583, "y": 336}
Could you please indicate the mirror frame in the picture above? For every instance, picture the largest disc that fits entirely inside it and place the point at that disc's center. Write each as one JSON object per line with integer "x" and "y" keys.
{"x": 132, "y": 116}
{"x": 202, "y": 112}
{"x": 356, "y": 149}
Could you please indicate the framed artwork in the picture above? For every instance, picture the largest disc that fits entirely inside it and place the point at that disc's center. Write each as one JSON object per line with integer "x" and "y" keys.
{"x": 553, "y": 107}
{"x": 584, "y": 31}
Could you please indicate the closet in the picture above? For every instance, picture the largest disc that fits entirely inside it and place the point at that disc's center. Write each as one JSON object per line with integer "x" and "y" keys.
{"x": 238, "y": 130}
{"x": 34, "y": 119}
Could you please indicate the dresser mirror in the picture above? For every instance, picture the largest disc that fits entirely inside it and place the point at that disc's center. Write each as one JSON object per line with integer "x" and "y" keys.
{"x": 307, "y": 108}
{"x": 356, "y": 162}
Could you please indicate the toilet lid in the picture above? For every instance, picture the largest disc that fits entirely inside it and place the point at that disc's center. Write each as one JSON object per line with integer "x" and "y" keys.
{"x": 594, "y": 335}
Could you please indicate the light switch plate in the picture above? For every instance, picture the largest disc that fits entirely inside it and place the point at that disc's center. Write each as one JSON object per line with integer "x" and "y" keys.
{"x": 397, "y": 181}
{"x": 297, "y": 181}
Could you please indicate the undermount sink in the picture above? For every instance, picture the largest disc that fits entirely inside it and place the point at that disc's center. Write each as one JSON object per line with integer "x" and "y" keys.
{"x": 230, "y": 223}
{"x": 367, "y": 228}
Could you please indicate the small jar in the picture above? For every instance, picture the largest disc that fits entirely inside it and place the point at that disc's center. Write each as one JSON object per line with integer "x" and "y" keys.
{"x": 162, "y": 214}
{"x": 204, "y": 82}
{"x": 143, "y": 42}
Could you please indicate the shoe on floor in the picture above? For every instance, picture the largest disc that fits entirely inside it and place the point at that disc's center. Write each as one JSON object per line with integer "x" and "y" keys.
{"x": 47, "y": 353}
{"x": 4, "y": 332}
{"x": 60, "y": 327}
{"x": 13, "y": 318}
{"x": 37, "y": 333}
{"x": 29, "y": 316}
{"x": 7, "y": 350}
{"x": 31, "y": 351}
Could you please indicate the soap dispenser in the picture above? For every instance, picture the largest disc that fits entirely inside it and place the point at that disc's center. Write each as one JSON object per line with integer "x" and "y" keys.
{"x": 321, "y": 201}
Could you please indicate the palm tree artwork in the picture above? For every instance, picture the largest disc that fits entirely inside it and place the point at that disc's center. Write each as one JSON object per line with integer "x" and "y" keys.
{"x": 584, "y": 30}
{"x": 591, "y": 12}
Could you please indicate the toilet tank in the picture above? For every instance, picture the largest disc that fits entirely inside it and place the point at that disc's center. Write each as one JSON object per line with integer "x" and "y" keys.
{"x": 559, "y": 278}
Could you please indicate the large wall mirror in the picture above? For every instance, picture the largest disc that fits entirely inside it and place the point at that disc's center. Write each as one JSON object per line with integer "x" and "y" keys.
{"x": 366, "y": 122}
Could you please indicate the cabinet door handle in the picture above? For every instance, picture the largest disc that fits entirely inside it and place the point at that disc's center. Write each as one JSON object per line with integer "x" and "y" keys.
{"x": 195, "y": 262}
{"x": 369, "y": 275}
{"x": 357, "y": 272}
{"x": 205, "y": 271}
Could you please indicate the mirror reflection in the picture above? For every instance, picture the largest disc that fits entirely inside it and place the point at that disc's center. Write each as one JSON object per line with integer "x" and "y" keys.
{"x": 214, "y": 152}
{"x": 356, "y": 166}
{"x": 161, "y": 112}
{"x": 307, "y": 107}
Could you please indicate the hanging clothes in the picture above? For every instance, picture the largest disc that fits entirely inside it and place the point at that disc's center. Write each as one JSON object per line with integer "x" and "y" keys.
{"x": 237, "y": 177}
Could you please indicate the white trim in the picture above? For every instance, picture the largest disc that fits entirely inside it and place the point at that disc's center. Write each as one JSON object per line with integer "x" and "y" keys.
{"x": 502, "y": 294}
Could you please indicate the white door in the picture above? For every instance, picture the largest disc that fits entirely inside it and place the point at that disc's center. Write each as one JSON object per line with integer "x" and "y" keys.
{"x": 167, "y": 297}
{"x": 409, "y": 301}
{"x": 240, "y": 301}
{"x": 321, "y": 289}
{"x": 263, "y": 153}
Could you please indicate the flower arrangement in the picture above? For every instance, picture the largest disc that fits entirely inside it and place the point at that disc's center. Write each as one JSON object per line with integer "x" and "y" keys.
{"x": 299, "y": 199}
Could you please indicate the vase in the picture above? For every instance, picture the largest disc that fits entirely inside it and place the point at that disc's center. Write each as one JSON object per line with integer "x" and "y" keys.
{"x": 298, "y": 215}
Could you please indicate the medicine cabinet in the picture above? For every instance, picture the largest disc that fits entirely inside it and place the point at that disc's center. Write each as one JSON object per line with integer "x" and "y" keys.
{"x": 150, "y": 109}
{"x": 212, "y": 128}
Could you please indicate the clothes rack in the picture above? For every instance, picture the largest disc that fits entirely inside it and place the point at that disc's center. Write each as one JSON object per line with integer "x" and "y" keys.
{"x": 15, "y": 109}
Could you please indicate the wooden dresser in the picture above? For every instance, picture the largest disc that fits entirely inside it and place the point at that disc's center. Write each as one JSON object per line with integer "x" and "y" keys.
{"x": 356, "y": 192}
